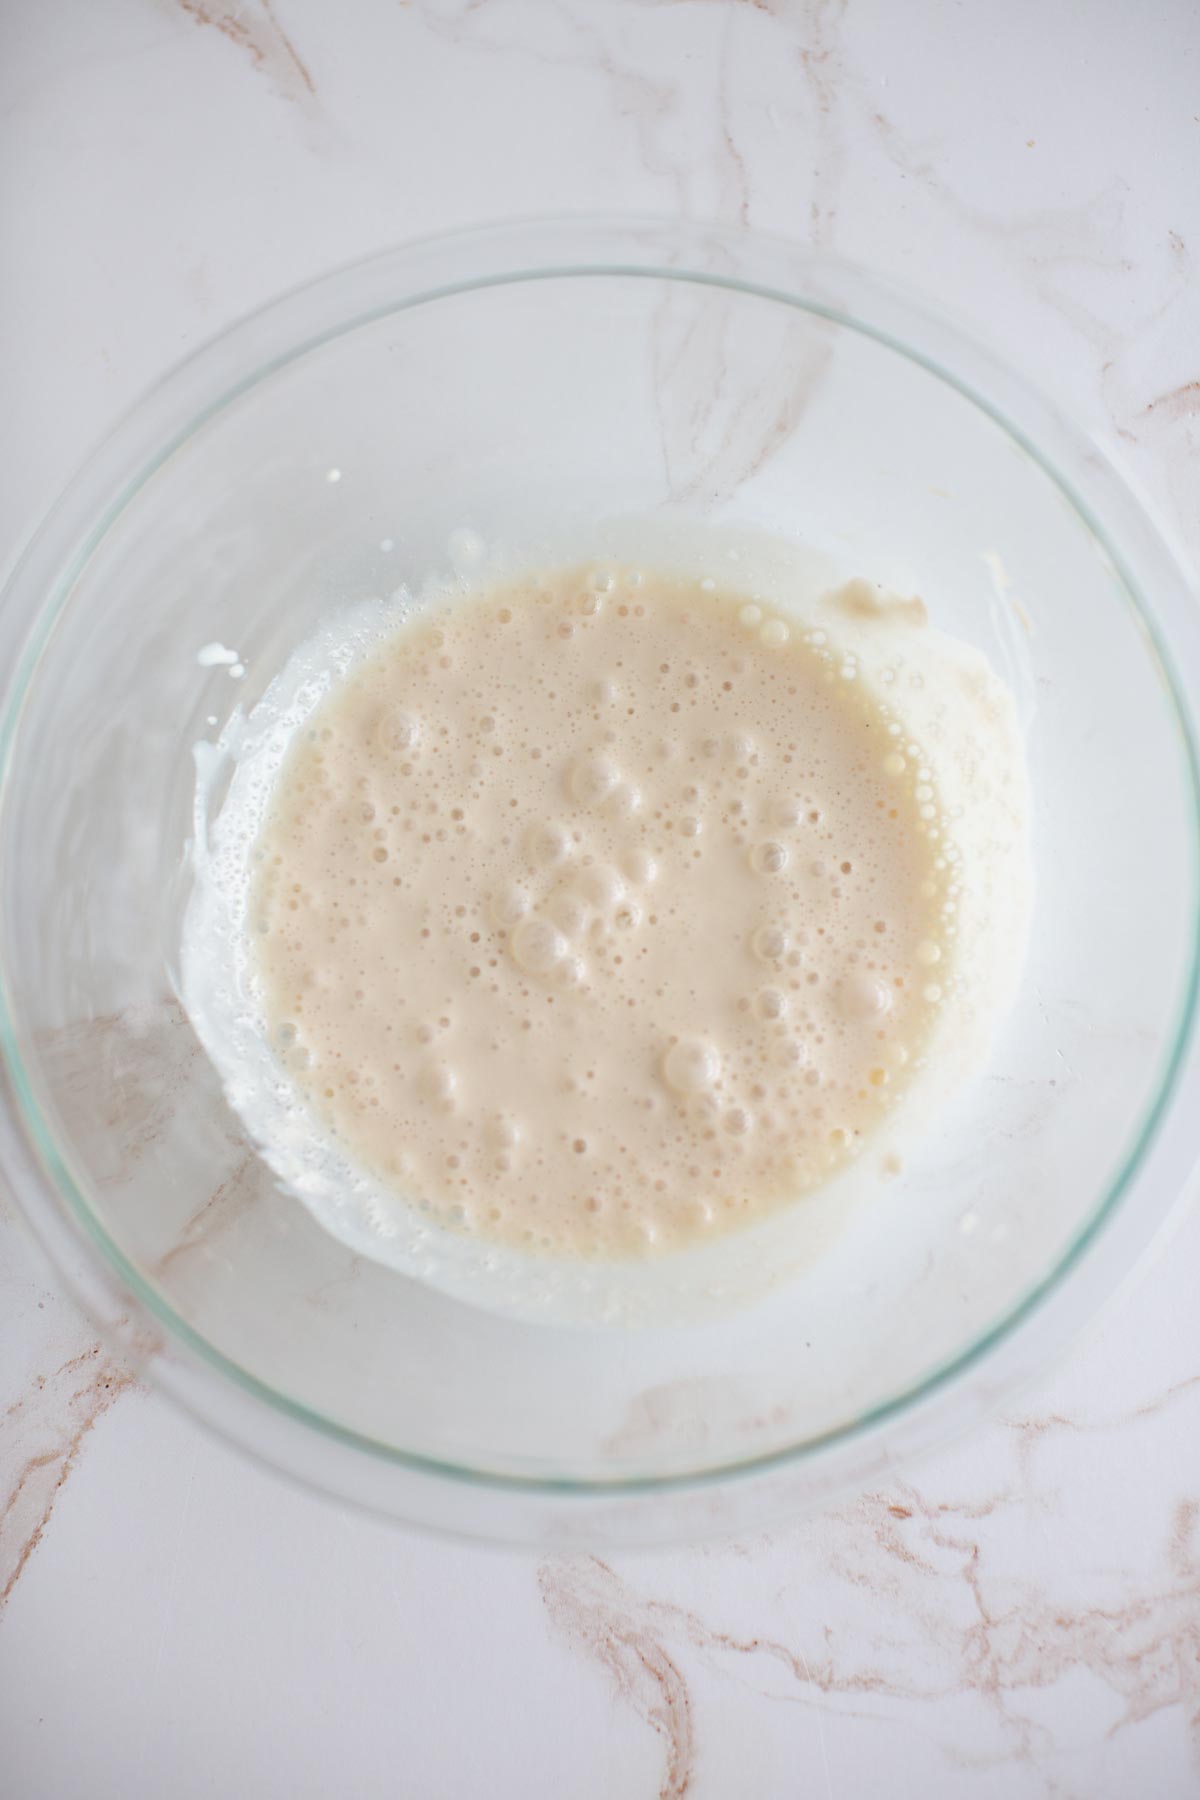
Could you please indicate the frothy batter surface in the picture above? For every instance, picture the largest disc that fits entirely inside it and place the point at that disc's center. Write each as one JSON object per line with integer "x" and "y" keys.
{"x": 600, "y": 914}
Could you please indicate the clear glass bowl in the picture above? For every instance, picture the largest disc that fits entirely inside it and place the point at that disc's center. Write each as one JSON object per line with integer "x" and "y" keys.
{"x": 516, "y": 380}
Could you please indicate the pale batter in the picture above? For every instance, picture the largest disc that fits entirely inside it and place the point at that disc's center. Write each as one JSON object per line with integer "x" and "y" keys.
{"x": 598, "y": 914}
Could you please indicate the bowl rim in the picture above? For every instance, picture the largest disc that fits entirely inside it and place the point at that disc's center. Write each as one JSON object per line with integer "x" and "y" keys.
{"x": 478, "y": 258}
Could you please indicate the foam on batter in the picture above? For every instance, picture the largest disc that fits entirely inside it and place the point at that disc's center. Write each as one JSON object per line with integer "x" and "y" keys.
{"x": 600, "y": 913}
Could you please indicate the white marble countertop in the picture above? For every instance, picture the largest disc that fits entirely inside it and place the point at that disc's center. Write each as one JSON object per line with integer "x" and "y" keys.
{"x": 1021, "y": 1616}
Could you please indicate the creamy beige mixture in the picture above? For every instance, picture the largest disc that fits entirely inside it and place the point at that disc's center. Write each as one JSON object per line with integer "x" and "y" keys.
{"x": 601, "y": 914}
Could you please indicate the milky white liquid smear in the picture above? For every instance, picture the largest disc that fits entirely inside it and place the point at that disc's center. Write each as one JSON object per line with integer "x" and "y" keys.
{"x": 592, "y": 924}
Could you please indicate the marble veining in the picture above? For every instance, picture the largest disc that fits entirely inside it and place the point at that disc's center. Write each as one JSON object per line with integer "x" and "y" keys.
{"x": 952, "y": 1619}
{"x": 256, "y": 30}
{"x": 41, "y": 1438}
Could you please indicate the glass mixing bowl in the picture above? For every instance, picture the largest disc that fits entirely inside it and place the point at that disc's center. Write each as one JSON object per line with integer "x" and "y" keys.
{"x": 512, "y": 381}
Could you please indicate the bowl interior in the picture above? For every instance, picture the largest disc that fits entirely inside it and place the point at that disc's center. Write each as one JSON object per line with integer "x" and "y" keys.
{"x": 528, "y": 410}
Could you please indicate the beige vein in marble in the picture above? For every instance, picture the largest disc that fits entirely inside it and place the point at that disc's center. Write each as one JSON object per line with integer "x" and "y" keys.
{"x": 945, "y": 1620}
{"x": 1178, "y": 402}
{"x": 41, "y": 1437}
{"x": 826, "y": 78}
{"x": 256, "y": 30}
